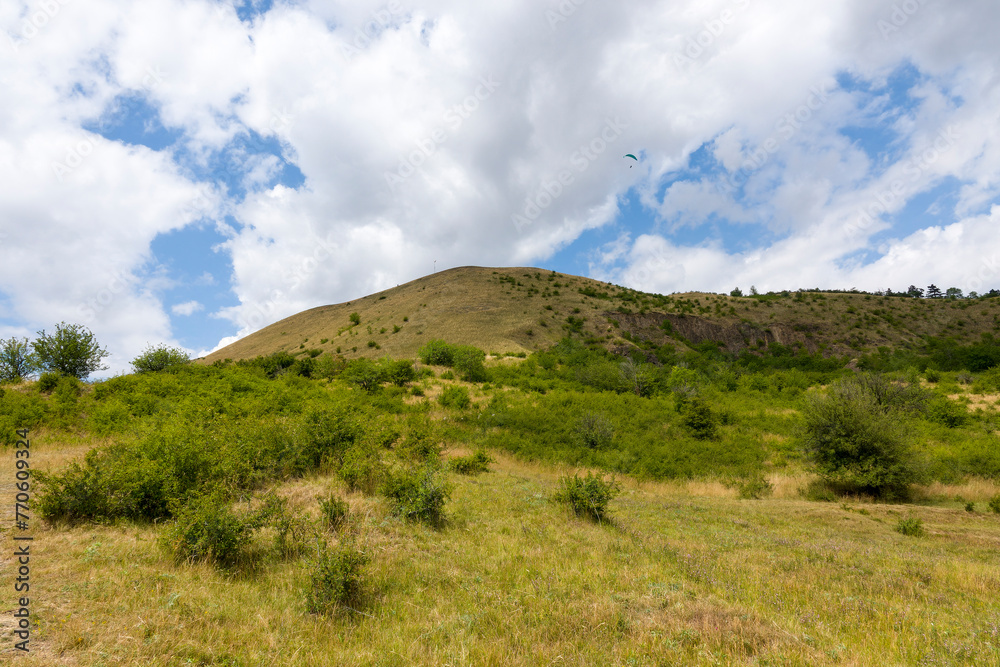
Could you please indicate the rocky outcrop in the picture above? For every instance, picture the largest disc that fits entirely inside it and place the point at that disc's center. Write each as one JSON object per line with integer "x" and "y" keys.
{"x": 691, "y": 329}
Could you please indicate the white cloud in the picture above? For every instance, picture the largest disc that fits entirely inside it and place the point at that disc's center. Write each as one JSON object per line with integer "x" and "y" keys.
{"x": 186, "y": 308}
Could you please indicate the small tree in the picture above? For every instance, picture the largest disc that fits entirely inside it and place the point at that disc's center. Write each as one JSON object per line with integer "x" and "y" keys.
{"x": 71, "y": 350}
{"x": 933, "y": 291}
{"x": 17, "y": 360}
{"x": 914, "y": 292}
{"x": 858, "y": 439}
{"x": 953, "y": 293}
{"x": 736, "y": 292}
{"x": 157, "y": 358}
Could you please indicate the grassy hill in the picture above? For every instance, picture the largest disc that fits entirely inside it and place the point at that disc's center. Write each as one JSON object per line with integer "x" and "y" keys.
{"x": 515, "y": 310}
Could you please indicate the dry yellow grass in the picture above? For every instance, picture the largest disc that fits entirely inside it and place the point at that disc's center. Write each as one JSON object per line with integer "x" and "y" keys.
{"x": 683, "y": 573}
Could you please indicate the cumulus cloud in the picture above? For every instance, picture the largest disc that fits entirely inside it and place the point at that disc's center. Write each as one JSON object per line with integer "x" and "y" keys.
{"x": 490, "y": 135}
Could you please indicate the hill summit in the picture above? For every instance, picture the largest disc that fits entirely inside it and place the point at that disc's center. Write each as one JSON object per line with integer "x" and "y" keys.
{"x": 523, "y": 309}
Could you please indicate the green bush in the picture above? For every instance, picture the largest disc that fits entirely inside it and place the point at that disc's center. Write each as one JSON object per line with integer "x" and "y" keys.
{"x": 454, "y": 396}
{"x": 858, "y": 437}
{"x": 588, "y": 496}
{"x": 399, "y": 372}
{"x": 355, "y": 319}
{"x": 333, "y": 510}
{"x": 19, "y": 410}
{"x": 364, "y": 373}
{"x": 698, "y": 417}
{"x": 48, "y": 381}
{"x": 755, "y": 488}
{"x": 207, "y": 529}
{"x": 594, "y": 431}
{"x": 158, "y": 358}
{"x": 436, "y": 352}
{"x": 477, "y": 462}
{"x": 363, "y": 469}
{"x": 336, "y": 579}
{"x": 468, "y": 361}
{"x": 818, "y": 490}
{"x": 912, "y": 527}
{"x": 418, "y": 495}
{"x": 932, "y": 376}
{"x": 943, "y": 410}
{"x": 995, "y": 503}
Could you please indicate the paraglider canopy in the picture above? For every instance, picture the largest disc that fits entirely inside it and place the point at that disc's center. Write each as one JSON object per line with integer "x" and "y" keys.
{"x": 631, "y": 156}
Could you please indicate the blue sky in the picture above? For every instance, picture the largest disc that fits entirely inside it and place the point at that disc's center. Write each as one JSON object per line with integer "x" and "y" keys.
{"x": 187, "y": 172}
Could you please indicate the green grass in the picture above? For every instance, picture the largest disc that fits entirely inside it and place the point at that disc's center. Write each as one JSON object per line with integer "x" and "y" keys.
{"x": 710, "y": 553}
{"x": 515, "y": 579}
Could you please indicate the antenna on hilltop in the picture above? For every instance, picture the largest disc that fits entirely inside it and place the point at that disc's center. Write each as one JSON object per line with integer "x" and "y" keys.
{"x": 435, "y": 266}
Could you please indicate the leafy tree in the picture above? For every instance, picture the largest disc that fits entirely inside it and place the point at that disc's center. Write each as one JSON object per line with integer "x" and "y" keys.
{"x": 933, "y": 291}
{"x": 468, "y": 361}
{"x": 436, "y": 352}
{"x": 753, "y": 290}
{"x": 857, "y": 435}
{"x": 355, "y": 319}
{"x": 157, "y": 358}
{"x": 953, "y": 293}
{"x": 915, "y": 292}
{"x": 736, "y": 292}
{"x": 17, "y": 360}
{"x": 71, "y": 350}
{"x": 365, "y": 373}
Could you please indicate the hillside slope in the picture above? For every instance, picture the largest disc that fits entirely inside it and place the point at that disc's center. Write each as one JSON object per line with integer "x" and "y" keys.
{"x": 512, "y": 310}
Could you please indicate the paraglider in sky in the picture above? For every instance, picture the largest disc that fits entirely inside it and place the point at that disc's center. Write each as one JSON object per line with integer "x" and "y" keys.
{"x": 631, "y": 156}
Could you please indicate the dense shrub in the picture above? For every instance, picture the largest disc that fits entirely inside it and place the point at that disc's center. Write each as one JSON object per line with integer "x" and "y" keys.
{"x": 594, "y": 431}
{"x": 19, "y": 410}
{"x": 364, "y": 373}
{"x": 336, "y": 579}
{"x": 418, "y": 495}
{"x": 207, "y": 529}
{"x": 363, "y": 468}
{"x": 399, "y": 372}
{"x": 947, "y": 412}
{"x": 436, "y": 352}
{"x": 158, "y": 358}
{"x": 754, "y": 488}
{"x": 994, "y": 503}
{"x": 468, "y": 361}
{"x": 473, "y": 464}
{"x": 912, "y": 527}
{"x": 48, "y": 381}
{"x": 454, "y": 396}
{"x": 588, "y": 496}
{"x": 698, "y": 416}
{"x": 858, "y": 439}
